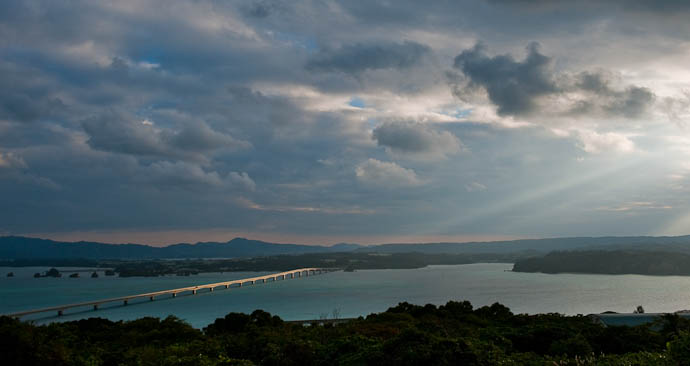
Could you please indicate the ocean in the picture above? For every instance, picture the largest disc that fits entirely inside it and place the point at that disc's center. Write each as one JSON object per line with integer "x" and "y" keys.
{"x": 344, "y": 294}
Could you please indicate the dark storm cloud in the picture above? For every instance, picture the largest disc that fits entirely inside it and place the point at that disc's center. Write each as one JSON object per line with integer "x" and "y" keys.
{"x": 517, "y": 87}
{"x": 511, "y": 85}
{"x": 360, "y": 57}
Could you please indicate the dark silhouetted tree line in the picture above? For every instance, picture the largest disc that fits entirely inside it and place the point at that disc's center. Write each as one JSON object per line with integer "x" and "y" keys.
{"x": 451, "y": 334}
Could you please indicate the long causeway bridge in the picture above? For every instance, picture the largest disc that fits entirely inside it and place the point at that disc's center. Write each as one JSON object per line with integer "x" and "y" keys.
{"x": 296, "y": 273}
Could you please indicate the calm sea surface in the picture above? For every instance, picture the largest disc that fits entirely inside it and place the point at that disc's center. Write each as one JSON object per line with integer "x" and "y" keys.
{"x": 349, "y": 294}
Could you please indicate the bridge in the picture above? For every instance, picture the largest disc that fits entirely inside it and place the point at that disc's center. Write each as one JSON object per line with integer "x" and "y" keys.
{"x": 296, "y": 273}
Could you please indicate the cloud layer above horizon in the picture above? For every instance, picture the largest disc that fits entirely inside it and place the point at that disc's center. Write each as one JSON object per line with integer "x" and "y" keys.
{"x": 345, "y": 119}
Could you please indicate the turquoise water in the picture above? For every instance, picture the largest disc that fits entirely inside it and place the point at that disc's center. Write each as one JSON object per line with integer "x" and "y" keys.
{"x": 350, "y": 294}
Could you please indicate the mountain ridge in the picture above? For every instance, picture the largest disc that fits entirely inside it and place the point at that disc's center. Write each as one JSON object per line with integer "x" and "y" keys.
{"x": 20, "y": 247}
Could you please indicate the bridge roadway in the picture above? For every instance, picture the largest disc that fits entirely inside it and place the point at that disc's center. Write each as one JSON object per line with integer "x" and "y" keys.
{"x": 193, "y": 289}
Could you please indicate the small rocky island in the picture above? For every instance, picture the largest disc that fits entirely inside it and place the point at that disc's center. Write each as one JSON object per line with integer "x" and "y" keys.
{"x": 50, "y": 273}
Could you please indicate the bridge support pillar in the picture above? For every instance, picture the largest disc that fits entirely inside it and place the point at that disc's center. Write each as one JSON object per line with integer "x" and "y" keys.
{"x": 193, "y": 292}
{"x": 211, "y": 289}
{"x": 151, "y": 298}
{"x": 174, "y": 294}
{"x": 124, "y": 303}
{"x": 95, "y": 307}
{"x": 59, "y": 312}
{"x": 227, "y": 287}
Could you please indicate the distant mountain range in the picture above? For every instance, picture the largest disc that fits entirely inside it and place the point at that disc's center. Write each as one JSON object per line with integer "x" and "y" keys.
{"x": 18, "y": 247}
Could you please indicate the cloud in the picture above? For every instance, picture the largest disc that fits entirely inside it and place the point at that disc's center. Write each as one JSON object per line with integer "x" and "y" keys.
{"x": 242, "y": 180}
{"x": 416, "y": 139}
{"x": 13, "y": 168}
{"x": 644, "y": 6}
{"x": 677, "y": 108}
{"x": 117, "y": 132}
{"x": 475, "y": 187}
{"x": 200, "y": 137}
{"x": 386, "y": 174}
{"x": 601, "y": 97}
{"x": 360, "y": 57}
{"x": 326, "y": 210}
{"x": 188, "y": 175}
{"x": 595, "y": 143}
{"x": 261, "y": 9}
{"x": 633, "y": 102}
{"x": 11, "y": 161}
{"x": 531, "y": 88}
{"x": 635, "y": 206}
{"x": 25, "y": 97}
{"x": 511, "y": 85}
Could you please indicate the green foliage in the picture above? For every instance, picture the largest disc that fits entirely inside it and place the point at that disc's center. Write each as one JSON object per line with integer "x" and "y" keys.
{"x": 407, "y": 334}
{"x": 679, "y": 348}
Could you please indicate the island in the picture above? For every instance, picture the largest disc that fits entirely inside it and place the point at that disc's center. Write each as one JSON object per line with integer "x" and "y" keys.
{"x": 50, "y": 273}
{"x": 608, "y": 262}
{"x": 348, "y": 261}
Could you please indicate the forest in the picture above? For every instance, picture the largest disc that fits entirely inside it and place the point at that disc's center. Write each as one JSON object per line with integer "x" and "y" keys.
{"x": 450, "y": 334}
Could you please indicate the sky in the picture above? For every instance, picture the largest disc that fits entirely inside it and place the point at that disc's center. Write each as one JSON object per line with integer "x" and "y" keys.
{"x": 318, "y": 122}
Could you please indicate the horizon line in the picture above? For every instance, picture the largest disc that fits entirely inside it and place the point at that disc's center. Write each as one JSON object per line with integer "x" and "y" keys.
{"x": 112, "y": 238}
